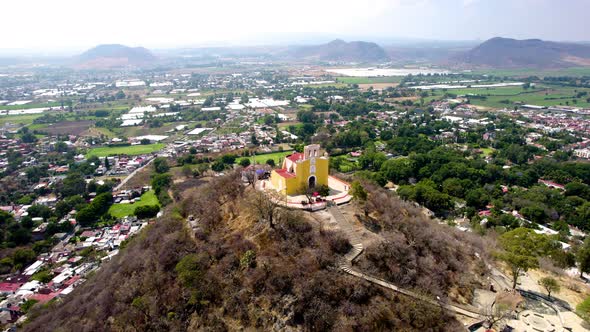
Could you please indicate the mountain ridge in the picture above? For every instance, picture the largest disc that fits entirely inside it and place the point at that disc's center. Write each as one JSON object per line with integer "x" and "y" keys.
{"x": 500, "y": 52}
{"x": 114, "y": 55}
{"x": 340, "y": 50}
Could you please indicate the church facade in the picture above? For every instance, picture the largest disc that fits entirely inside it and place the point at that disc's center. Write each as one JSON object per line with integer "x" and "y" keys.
{"x": 301, "y": 171}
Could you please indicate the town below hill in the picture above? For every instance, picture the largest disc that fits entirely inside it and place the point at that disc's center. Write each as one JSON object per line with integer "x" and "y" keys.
{"x": 249, "y": 192}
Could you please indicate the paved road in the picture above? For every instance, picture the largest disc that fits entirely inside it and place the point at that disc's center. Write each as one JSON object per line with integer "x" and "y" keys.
{"x": 357, "y": 248}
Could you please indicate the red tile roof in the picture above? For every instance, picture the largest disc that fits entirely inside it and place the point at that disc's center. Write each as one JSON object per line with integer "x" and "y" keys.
{"x": 9, "y": 287}
{"x": 43, "y": 298}
{"x": 71, "y": 280}
{"x": 296, "y": 156}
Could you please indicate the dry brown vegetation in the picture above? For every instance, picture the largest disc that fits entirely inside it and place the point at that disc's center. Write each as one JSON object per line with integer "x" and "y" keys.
{"x": 68, "y": 127}
{"x": 418, "y": 253}
{"x": 377, "y": 86}
{"x": 234, "y": 271}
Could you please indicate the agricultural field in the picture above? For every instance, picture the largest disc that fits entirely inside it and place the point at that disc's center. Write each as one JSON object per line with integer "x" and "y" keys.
{"x": 525, "y": 72}
{"x": 100, "y": 131}
{"x": 377, "y": 86}
{"x": 276, "y": 156}
{"x": 19, "y": 119}
{"x": 141, "y": 130}
{"x": 30, "y": 105}
{"x": 543, "y": 95}
{"x": 122, "y": 210}
{"x": 336, "y": 85}
{"x": 131, "y": 150}
{"x": 64, "y": 127}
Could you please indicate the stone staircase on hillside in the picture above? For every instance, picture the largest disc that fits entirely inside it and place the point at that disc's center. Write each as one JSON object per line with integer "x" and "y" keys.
{"x": 353, "y": 237}
{"x": 345, "y": 264}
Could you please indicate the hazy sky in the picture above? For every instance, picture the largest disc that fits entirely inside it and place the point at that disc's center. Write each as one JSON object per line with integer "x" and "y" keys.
{"x": 73, "y": 24}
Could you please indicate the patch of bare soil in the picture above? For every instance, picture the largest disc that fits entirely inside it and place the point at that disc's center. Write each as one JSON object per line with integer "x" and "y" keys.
{"x": 140, "y": 179}
{"x": 414, "y": 98}
{"x": 68, "y": 127}
{"x": 577, "y": 60}
{"x": 377, "y": 86}
{"x": 573, "y": 290}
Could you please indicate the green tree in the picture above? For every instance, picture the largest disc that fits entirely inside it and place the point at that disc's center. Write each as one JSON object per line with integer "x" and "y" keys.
{"x": 146, "y": 211}
{"x": 26, "y": 136}
{"x": 577, "y": 189}
{"x": 245, "y": 162}
{"x": 583, "y": 309}
{"x": 550, "y": 285}
{"x": 398, "y": 170}
{"x": 583, "y": 257}
{"x": 218, "y": 166}
{"x": 27, "y": 305}
{"x": 95, "y": 210}
{"x": 477, "y": 198}
{"x": 535, "y": 213}
{"x": 161, "y": 165}
{"x": 42, "y": 211}
{"x": 248, "y": 259}
{"x": 73, "y": 184}
{"x": 23, "y": 257}
{"x": 453, "y": 187}
{"x": 521, "y": 249}
{"x": 43, "y": 276}
{"x": 161, "y": 181}
{"x": 228, "y": 159}
{"x": 360, "y": 195}
{"x": 582, "y": 218}
{"x": 187, "y": 171}
{"x": 86, "y": 216}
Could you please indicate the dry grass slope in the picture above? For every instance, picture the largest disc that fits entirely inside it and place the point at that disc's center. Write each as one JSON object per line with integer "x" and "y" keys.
{"x": 233, "y": 271}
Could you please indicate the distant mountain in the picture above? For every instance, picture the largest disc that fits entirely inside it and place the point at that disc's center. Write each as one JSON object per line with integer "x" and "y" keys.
{"x": 113, "y": 56}
{"x": 339, "y": 50}
{"x": 509, "y": 53}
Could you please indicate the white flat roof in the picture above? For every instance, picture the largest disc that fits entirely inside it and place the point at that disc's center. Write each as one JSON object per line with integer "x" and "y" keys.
{"x": 156, "y": 138}
{"x": 197, "y": 131}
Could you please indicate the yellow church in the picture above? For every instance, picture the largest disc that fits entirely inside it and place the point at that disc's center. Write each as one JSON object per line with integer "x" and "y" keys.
{"x": 301, "y": 171}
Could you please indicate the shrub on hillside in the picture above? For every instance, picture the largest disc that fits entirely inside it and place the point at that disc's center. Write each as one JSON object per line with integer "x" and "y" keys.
{"x": 146, "y": 211}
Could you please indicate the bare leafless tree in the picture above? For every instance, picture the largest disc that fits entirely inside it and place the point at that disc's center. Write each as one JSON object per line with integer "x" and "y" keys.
{"x": 265, "y": 207}
{"x": 249, "y": 175}
{"x": 497, "y": 314}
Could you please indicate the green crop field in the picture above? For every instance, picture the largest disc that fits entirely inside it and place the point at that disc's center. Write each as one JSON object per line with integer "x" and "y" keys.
{"x": 262, "y": 158}
{"x": 326, "y": 85}
{"x": 37, "y": 126}
{"x": 131, "y": 150}
{"x": 19, "y": 119}
{"x": 573, "y": 71}
{"x": 543, "y": 95}
{"x": 122, "y": 210}
{"x": 30, "y": 105}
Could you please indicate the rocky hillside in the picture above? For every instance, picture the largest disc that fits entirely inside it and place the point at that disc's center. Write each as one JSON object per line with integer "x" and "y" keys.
{"x": 531, "y": 53}
{"x": 247, "y": 264}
